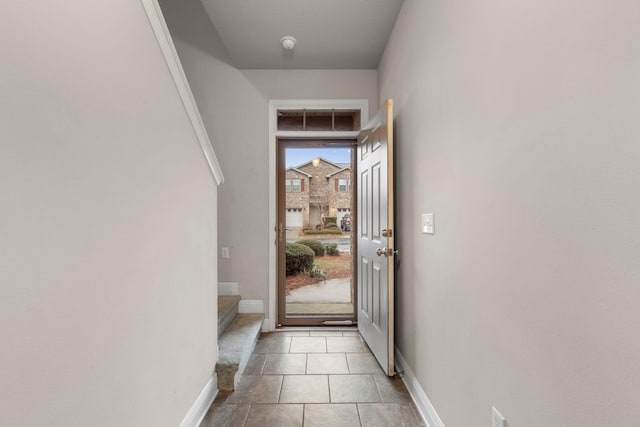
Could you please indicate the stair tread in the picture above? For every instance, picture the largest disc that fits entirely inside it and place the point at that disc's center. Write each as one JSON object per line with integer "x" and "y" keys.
{"x": 239, "y": 339}
{"x": 235, "y": 347}
{"x": 227, "y": 303}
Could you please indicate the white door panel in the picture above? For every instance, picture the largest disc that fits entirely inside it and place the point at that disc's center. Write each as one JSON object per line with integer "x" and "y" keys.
{"x": 375, "y": 237}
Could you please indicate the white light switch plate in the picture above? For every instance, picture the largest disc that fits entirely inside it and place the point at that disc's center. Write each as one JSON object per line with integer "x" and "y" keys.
{"x": 225, "y": 252}
{"x": 428, "y": 225}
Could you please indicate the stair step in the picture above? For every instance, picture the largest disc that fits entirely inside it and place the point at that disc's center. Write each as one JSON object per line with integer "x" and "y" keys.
{"x": 227, "y": 311}
{"x": 235, "y": 348}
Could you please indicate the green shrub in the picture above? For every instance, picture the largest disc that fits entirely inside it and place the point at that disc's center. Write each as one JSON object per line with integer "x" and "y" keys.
{"x": 299, "y": 258}
{"x": 316, "y": 271}
{"x": 332, "y": 249}
{"x": 315, "y": 245}
{"x": 311, "y": 232}
{"x": 330, "y": 221}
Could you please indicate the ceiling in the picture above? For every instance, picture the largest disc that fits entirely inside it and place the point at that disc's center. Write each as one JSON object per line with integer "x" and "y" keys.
{"x": 330, "y": 34}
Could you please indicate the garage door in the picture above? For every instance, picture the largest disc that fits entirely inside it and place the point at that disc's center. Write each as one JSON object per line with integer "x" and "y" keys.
{"x": 342, "y": 212}
{"x": 294, "y": 217}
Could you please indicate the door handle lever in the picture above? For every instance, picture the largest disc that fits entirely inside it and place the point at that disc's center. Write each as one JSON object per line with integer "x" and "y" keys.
{"x": 386, "y": 252}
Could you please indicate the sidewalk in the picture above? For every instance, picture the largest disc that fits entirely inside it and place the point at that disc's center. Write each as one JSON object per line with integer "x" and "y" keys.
{"x": 329, "y": 291}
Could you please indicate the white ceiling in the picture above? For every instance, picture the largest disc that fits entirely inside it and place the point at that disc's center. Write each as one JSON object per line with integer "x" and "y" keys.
{"x": 334, "y": 34}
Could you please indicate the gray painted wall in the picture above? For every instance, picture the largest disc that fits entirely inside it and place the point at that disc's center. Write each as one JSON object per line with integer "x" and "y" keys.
{"x": 107, "y": 231}
{"x": 234, "y": 107}
{"x": 517, "y": 125}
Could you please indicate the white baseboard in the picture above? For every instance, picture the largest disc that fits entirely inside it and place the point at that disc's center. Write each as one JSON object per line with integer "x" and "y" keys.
{"x": 426, "y": 409}
{"x": 251, "y": 306}
{"x": 265, "y": 326}
{"x": 228, "y": 288}
{"x": 201, "y": 405}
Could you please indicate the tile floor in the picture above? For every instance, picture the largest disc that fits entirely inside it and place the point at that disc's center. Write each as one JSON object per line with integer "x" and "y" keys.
{"x": 314, "y": 378}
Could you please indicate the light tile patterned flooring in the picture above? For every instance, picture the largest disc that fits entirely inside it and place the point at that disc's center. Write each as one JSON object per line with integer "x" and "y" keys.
{"x": 314, "y": 378}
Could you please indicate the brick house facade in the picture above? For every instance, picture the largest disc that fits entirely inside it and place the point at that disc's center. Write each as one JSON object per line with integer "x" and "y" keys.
{"x": 313, "y": 192}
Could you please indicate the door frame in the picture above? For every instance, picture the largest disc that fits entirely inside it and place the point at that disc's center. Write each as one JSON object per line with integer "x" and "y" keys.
{"x": 313, "y": 319}
{"x": 290, "y": 104}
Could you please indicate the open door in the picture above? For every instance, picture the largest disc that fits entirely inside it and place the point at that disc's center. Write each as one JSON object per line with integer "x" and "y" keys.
{"x": 376, "y": 249}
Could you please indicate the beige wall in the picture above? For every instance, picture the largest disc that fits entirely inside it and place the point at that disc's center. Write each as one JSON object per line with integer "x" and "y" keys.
{"x": 107, "y": 231}
{"x": 517, "y": 125}
{"x": 234, "y": 106}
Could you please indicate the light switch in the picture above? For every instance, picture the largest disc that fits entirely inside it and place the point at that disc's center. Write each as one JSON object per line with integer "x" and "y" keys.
{"x": 428, "y": 226}
{"x": 225, "y": 252}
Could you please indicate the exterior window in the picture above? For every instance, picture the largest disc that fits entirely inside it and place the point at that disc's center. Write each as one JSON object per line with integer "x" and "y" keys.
{"x": 293, "y": 185}
{"x": 344, "y": 185}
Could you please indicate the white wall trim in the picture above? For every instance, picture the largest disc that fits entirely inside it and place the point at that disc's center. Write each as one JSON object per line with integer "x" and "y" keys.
{"x": 228, "y": 288}
{"x": 160, "y": 30}
{"x": 251, "y": 306}
{"x": 274, "y": 106}
{"x": 201, "y": 405}
{"x": 426, "y": 409}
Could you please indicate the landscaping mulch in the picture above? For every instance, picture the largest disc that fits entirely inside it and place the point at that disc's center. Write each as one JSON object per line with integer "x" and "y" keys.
{"x": 334, "y": 267}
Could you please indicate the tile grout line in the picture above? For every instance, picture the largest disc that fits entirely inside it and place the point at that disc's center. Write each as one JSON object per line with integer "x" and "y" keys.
{"x": 375, "y": 383}
{"x": 359, "y": 417}
{"x": 246, "y": 417}
{"x": 280, "y": 391}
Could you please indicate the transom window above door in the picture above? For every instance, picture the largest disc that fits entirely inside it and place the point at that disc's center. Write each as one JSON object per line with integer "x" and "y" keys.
{"x": 318, "y": 120}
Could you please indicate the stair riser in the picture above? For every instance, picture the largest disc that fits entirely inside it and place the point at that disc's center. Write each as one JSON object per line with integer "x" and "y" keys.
{"x": 226, "y": 319}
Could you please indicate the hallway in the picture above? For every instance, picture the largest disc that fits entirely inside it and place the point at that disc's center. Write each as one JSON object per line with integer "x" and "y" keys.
{"x": 314, "y": 378}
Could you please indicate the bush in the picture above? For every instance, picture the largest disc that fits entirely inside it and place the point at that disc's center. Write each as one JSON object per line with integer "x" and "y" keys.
{"x": 309, "y": 231}
{"x": 316, "y": 272}
{"x": 330, "y": 221}
{"x": 299, "y": 258}
{"x": 315, "y": 245}
{"x": 332, "y": 249}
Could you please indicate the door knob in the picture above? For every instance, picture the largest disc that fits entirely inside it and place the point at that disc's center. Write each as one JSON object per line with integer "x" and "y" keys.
{"x": 386, "y": 252}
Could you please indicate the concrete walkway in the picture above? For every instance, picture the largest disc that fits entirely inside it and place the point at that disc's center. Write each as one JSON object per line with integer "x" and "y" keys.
{"x": 329, "y": 291}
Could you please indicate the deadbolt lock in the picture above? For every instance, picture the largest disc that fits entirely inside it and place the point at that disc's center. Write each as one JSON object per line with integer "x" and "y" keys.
{"x": 387, "y": 232}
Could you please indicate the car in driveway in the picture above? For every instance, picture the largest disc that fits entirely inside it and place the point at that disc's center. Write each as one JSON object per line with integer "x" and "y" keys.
{"x": 345, "y": 222}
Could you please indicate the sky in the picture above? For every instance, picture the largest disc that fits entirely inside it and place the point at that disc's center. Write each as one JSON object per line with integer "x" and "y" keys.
{"x": 298, "y": 156}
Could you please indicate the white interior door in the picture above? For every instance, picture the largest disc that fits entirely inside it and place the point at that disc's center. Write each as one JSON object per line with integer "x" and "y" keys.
{"x": 376, "y": 250}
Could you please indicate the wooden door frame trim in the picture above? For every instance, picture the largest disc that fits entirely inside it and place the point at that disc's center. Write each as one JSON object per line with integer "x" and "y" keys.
{"x": 274, "y": 105}
{"x": 282, "y": 143}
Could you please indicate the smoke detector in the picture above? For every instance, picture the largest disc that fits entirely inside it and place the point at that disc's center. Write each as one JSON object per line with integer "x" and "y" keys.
{"x": 288, "y": 42}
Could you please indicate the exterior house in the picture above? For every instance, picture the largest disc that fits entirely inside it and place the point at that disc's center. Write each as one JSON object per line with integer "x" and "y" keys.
{"x": 313, "y": 192}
